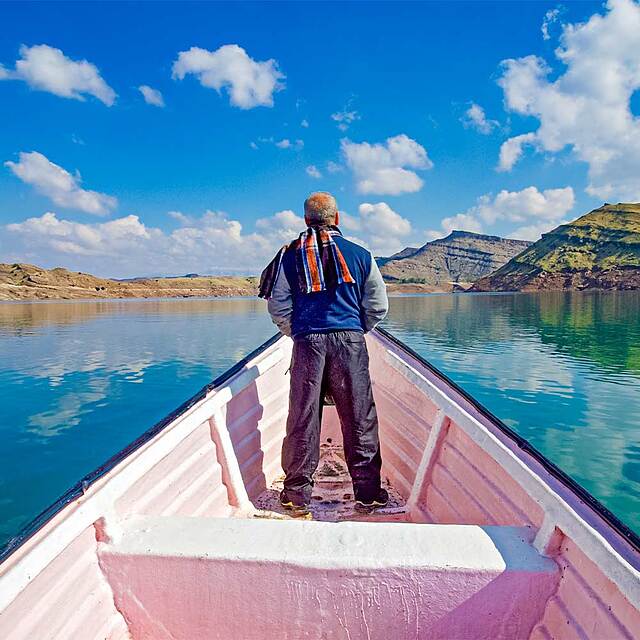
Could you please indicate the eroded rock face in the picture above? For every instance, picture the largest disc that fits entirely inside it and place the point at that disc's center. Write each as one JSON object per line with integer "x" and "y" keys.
{"x": 460, "y": 257}
{"x": 605, "y": 280}
{"x": 600, "y": 250}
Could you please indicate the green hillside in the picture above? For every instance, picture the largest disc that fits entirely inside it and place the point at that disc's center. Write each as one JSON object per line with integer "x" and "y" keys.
{"x": 600, "y": 250}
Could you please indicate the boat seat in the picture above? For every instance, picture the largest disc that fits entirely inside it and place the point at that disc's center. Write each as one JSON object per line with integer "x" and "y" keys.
{"x": 232, "y": 578}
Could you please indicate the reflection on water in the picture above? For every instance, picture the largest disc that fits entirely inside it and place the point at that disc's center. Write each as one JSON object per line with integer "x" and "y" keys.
{"x": 79, "y": 380}
{"x": 562, "y": 369}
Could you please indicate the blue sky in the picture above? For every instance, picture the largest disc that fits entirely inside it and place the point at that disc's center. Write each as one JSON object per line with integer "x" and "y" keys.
{"x": 406, "y": 111}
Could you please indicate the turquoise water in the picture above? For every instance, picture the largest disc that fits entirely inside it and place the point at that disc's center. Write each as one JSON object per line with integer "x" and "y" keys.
{"x": 80, "y": 380}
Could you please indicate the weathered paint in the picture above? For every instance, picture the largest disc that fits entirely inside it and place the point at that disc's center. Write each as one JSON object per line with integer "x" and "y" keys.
{"x": 70, "y": 599}
{"x": 448, "y": 461}
{"x": 587, "y": 602}
{"x": 177, "y": 579}
{"x": 187, "y": 481}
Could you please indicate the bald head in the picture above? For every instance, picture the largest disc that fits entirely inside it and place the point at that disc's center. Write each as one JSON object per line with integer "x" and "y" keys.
{"x": 320, "y": 208}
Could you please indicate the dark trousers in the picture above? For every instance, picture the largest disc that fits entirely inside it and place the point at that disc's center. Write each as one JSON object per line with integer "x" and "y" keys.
{"x": 337, "y": 362}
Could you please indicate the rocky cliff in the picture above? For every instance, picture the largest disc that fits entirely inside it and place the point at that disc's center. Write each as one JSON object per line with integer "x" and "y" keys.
{"x": 460, "y": 257}
{"x": 600, "y": 250}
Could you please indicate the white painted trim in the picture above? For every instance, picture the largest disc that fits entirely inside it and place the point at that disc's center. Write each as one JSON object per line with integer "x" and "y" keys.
{"x": 543, "y": 542}
{"x": 427, "y": 460}
{"x": 253, "y": 371}
{"x": 27, "y": 562}
{"x": 324, "y": 545}
{"x": 227, "y": 459}
{"x": 591, "y": 541}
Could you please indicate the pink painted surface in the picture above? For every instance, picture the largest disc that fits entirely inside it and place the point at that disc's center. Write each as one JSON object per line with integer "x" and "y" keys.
{"x": 467, "y": 486}
{"x": 205, "y": 600}
{"x": 587, "y": 604}
{"x": 187, "y": 481}
{"x": 67, "y": 597}
{"x": 70, "y": 599}
{"x": 255, "y": 419}
{"x": 349, "y": 586}
{"x": 405, "y": 415}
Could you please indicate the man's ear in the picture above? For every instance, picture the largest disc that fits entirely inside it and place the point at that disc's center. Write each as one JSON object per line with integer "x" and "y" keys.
{"x": 337, "y": 218}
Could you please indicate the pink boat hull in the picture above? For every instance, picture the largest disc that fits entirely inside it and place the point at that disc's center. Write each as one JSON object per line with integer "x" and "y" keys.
{"x": 182, "y": 537}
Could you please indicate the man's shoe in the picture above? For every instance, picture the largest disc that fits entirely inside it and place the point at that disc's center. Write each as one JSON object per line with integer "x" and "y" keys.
{"x": 380, "y": 500}
{"x": 296, "y": 510}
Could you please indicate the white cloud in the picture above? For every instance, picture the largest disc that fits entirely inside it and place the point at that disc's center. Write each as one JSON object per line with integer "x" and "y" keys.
{"x": 459, "y": 222}
{"x": 151, "y": 96}
{"x": 211, "y": 243}
{"x": 384, "y": 219}
{"x": 518, "y": 206}
{"x": 284, "y": 225}
{"x": 550, "y": 17}
{"x": 183, "y": 219}
{"x": 345, "y": 117}
{"x": 587, "y": 106}
{"x": 47, "y": 69}
{"x": 380, "y": 168}
{"x": 542, "y": 209}
{"x": 511, "y": 150}
{"x": 334, "y": 167}
{"x": 313, "y": 171}
{"x": 349, "y": 222}
{"x": 126, "y": 247}
{"x": 381, "y": 228}
{"x": 289, "y": 144}
{"x": 475, "y": 118}
{"x": 59, "y": 185}
{"x": 75, "y": 238}
{"x": 285, "y": 143}
{"x": 249, "y": 83}
{"x": 534, "y": 231}
{"x": 305, "y": 124}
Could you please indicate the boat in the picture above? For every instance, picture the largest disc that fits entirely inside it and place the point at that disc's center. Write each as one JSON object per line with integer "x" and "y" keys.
{"x": 181, "y": 536}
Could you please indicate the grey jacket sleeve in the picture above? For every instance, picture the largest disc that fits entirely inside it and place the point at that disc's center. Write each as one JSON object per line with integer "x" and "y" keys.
{"x": 280, "y": 304}
{"x": 374, "y": 301}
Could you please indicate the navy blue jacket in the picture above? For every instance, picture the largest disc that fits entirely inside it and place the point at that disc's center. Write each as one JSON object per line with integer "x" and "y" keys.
{"x": 355, "y": 306}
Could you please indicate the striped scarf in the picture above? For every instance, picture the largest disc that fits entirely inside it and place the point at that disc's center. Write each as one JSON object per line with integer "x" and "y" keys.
{"x": 319, "y": 262}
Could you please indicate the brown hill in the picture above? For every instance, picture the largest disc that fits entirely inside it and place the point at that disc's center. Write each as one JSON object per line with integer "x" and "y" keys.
{"x": 405, "y": 253}
{"x": 461, "y": 257}
{"x": 29, "y": 282}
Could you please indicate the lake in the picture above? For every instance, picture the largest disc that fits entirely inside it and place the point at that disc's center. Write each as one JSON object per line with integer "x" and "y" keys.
{"x": 80, "y": 380}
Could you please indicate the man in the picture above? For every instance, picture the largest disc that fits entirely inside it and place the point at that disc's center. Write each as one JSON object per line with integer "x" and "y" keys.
{"x": 326, "y": 292}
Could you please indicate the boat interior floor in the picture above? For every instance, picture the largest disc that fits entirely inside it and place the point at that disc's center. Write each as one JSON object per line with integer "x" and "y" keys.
{"x": 332, "y": 499}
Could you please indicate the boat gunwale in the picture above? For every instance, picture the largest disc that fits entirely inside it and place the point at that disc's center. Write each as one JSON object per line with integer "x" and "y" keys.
{"x": 626, "y": 533}
{"x": 80, "y": 487}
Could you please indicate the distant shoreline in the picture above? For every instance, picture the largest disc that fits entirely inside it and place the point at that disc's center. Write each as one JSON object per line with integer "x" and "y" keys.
{"x": 30, "y": 283}
{"x": 394, "y": 290}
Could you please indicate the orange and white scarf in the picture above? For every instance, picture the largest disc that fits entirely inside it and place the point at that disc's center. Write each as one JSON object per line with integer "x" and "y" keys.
{"x": 319, "y": 262}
